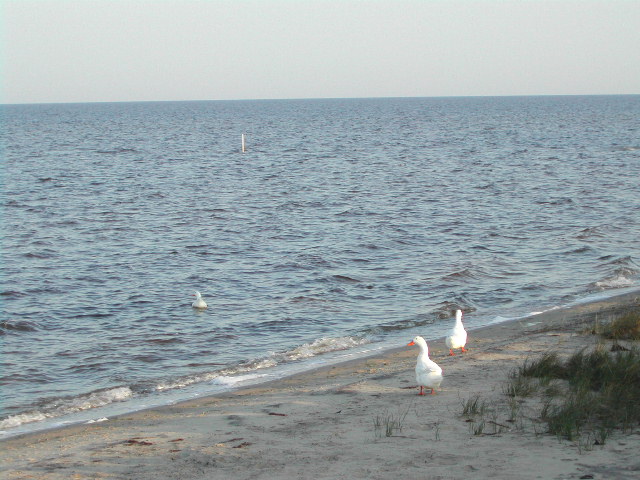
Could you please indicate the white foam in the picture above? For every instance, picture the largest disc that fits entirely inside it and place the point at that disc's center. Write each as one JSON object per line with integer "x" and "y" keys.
{"x": 98, "y": 420}
{"x": 499, "y": 319}
{"x": 265, "y": 363}
{"x": 323, "y": 345}
{"x": 230, "y": 381}
{"x": 185, "y": 382}
{"x": 17, "y": 420}
{"x": 619, "y": 281}
{"x": 208, "y": 377}
{"x": 98, "y": 399}
{"x": 66, "y": 407}
{"x": 308, "y": 350}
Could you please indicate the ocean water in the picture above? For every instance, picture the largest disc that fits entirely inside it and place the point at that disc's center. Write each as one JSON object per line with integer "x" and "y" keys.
{"x": 347, "y": 227}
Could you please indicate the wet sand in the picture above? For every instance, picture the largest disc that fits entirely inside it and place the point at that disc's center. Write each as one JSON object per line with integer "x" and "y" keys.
{"x": 322, "y": 424}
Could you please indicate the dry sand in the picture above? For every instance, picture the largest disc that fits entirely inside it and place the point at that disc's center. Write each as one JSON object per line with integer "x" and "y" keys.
{"x": 321, "y": 424}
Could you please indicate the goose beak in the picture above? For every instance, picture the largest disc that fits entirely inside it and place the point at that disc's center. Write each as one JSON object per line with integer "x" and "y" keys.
{"x": 411, "y": 343}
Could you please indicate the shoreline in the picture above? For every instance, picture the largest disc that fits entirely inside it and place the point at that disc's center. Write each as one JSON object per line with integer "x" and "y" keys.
{"x": 553, "y": 318}
{"x": 270, "y": 429}
{"x": 597, "y": 298}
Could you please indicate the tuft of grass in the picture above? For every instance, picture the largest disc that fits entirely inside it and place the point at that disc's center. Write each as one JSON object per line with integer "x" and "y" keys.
{"x": 568, "y": 418}
{"x": 552, "y": 389}
{"x": 603, "y": 392}
{"x": 547, "y": 366}
{"x": 389, "y": 423}
{"x": 477, "y": 428}
{"x": 625, "y": 327}
{"x": 514, "y": 408}
{"x": 474, "y": 406}
{"x": 476, "y": 411}
{"x": 518, "y": 385}
{"x": 436, "y": 426}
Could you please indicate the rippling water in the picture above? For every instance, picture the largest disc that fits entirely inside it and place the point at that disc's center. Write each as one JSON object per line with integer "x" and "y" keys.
{"x": 347, "y": 226}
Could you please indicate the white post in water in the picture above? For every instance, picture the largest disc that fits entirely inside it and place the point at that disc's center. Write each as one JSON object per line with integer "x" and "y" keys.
{"x": 243, "y": 148}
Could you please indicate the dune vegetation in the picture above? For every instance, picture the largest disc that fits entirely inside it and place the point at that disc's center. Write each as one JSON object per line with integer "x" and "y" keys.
{"x": 582, "y": 397}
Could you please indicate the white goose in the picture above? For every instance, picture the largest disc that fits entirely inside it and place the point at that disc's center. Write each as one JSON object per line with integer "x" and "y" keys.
{"x": 199, "y": 302}
{"x": 458, "y": 336}
{"x": 428, "y": 372}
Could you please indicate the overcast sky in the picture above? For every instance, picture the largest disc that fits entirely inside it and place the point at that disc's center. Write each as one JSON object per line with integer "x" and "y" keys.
{"x": 99, "y": 50}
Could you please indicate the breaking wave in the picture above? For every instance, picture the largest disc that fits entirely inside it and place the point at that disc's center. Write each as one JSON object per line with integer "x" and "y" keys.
{"x": 305, "y": 351}
{"x": 65, "y": 406}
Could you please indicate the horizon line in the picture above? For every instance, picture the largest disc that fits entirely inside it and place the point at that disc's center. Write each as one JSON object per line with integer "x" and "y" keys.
{"x": 325, "y": 98}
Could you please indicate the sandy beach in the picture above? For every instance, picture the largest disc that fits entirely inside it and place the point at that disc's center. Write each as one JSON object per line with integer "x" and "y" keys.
{"x": 331, "y": 423}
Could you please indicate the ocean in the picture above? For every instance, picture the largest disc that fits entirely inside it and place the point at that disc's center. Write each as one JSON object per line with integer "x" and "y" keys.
{"x": 347, "y": 227}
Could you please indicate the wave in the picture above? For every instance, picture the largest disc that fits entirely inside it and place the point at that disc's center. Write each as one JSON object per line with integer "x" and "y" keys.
{"x": 417, "y": 321}
{"x": 590, "y": 233}
{"x": 579, "y": 250}
{"x": 466, "y": 273}
{"x": 10, "y": 293}
{"x": 555, "y": 201}
{"x": 183, "y": 382}
{"x": 92, "y": 315}
{"x": 64, "y": 406}
{"x": 232, "y": 381}
{"x": 320, "y": 346}
{"x": 40, "y": 255}
{"x": 304, "y": 262}
{"x": 621, "y": 279}
{"x": 442, "y": 311}
{"x": 170, "y": 339}
{"x": 345, "y": 279}
{"x": 301, "y": 352}
{"x": 615, "y": 261}
{"x": 116, "y": 151}
{"x": 621, "y": 272}
{"x": 473, "y": 273}
{"x": 18, "y": 326}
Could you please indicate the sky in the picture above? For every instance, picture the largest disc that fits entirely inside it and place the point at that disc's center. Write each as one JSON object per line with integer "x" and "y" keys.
{"x": 55, "y": 51}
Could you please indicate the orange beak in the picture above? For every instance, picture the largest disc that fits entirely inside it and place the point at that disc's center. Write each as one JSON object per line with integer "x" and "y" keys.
{"x": 411, "y": 343}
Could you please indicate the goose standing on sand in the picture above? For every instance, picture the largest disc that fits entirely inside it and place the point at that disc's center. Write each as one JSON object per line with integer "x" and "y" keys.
{"x": 199, "y": 302}
{"x": 458, "y": 336}
{"x": 428, "y": 372}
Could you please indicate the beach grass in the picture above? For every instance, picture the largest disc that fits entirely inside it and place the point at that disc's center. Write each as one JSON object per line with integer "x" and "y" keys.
{"x": 603, "y": 393}
{"x": 585, "y": 395}
{"x": 592, "y": 392}
{"x": 389, "y": 424}
{"x": 474, "y": 406}
{"x": 625, "y": 327}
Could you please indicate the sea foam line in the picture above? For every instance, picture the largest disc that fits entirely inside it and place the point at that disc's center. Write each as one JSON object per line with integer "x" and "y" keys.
{"x": 317, "y": 347}
{"x": 63, "y": 407}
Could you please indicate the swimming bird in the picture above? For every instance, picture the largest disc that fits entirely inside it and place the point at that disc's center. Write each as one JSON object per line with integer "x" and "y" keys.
{"x": 428, "y": 372}
{"x": 458, "y": 336}
{"x": 199, "y": 302}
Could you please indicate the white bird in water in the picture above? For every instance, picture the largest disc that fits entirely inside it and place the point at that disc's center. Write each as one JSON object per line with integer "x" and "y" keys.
{"x": 458, "y": 336}
{"x": 199, "y": 302}
{"x": 428, "y": 372}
